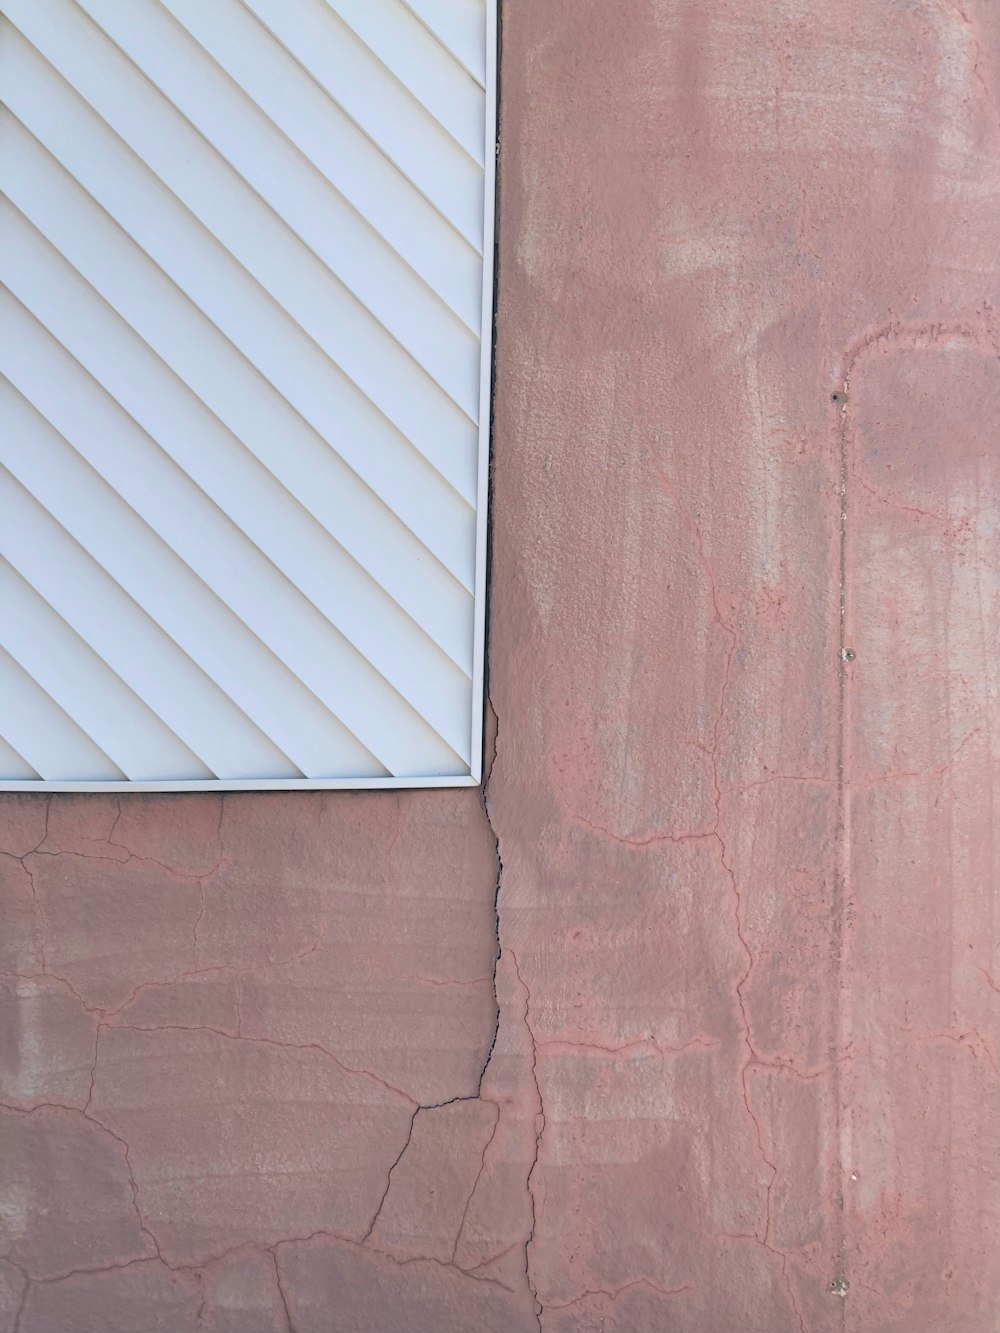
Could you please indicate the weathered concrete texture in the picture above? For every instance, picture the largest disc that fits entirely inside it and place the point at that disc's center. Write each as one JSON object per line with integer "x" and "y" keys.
{"x": 744, "y": 630}
{"x": 225, "y": 1021}
{"x": 747, "y": 760}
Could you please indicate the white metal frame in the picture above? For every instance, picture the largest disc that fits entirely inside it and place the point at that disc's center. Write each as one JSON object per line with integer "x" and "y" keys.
{"x": 474, "y": 777}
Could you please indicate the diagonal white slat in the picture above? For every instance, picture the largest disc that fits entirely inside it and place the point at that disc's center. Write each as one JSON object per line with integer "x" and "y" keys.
{"x": 215, "y": 372}
{"x": 245, "y": 394}
{"x": 85, "y": 686}
{"x": 115, "y": 539}
{"x": 426, "y": 68}
{"x": 298, "y": 283}
{"x": 214, "y": 460}
{"x": 44, "y": 734}
{"x": 346, "y": 157}
{"x": 12, "y": 762}
{"x": 270, "y": 341}
{"x": 390, "y": 116}
{"x": 106, "y": 619}
{"x": 242, "y": 135}
{"x": 460, "y": 26}
{"x": 277, "y": 615}
{"x": 102, "y": 614}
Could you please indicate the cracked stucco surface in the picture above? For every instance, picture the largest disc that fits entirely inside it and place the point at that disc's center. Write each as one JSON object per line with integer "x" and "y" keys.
{"x": 733, "y": 1067}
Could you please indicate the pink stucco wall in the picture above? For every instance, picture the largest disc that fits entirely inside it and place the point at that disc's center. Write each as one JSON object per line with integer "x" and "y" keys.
{"x": 744, "y": 672}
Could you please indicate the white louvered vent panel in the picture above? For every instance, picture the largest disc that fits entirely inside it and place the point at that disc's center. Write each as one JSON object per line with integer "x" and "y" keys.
{"x": 244, "y": 340}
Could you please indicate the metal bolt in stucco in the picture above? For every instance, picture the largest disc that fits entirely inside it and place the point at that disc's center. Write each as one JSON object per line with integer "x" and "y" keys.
{"x": 743, "y": 660}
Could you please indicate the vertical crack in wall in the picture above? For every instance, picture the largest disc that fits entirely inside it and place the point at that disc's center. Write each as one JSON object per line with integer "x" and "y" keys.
{"x": 388, "y": 1180}
{"x": 540, "y": 1119}
{"x": 475, "y": 1185}
{"x": 539, "y": 1131}
{"x": 498, "y": 947}
{"x": 273, "y": 1252}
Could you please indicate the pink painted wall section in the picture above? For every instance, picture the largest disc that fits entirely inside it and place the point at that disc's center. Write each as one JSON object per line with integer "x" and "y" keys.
{"x": 221, "y": 1019}
{"x": 745, "y": 658}
{"x": 743, "y": 664}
